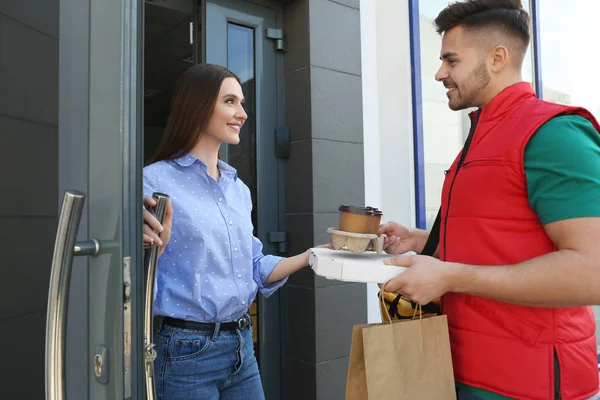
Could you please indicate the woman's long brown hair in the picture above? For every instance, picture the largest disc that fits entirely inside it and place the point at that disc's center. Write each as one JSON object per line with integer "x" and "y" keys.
{"x": 195, "y": 95}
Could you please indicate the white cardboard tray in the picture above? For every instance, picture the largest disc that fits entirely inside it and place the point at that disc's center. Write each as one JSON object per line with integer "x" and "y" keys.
{"x": 352, "y": 267}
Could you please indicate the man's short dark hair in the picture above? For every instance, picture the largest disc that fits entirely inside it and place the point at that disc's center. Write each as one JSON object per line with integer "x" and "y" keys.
{"x": 507, "y": 16}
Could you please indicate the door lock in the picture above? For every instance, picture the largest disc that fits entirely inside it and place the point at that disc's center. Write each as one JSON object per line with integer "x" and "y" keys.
{"x": 101, "y": 364}
{"x": 98, "y": 365}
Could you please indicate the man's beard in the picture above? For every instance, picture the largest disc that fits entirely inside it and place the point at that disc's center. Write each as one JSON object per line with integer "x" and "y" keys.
{"x": 474, "y": 84}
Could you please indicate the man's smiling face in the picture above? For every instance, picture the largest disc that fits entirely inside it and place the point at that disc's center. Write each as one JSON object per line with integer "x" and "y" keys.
{"x": 463, "y": 71}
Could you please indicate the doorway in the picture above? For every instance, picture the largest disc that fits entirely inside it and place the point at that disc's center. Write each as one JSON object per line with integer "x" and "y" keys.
{"x": 235, "y": 34}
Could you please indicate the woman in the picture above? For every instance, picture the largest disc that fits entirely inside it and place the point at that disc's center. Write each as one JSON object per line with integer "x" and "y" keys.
{"x": 212, "y": 266}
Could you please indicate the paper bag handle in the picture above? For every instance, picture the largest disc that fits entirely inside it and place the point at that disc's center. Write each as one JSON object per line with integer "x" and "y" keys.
{"x": 388, "y": 313}
{"x": 384, "y": 306}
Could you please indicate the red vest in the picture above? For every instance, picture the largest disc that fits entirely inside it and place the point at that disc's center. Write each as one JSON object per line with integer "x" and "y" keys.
{"x": 487, "y": 220}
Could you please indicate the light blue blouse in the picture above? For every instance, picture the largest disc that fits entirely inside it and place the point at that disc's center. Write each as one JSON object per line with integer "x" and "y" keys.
{"x": 213, "y": 266}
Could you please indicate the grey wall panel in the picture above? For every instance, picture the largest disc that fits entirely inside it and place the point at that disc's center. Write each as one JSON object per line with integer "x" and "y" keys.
{"x": 325, "y": 168}
{"x": 39, "y": 15}
{"x": 300, "y": 228}
{"x": 299, "y": 178}
{"x": 25, "y": 272}
{"x": 334, "y": 36}
{"x": 331, "y": 379}
{"x": 321, "y": 282}
{"x": 336, "y": 105}
{"x": 301, "y": 383}
{"x": 28, "y": 73}
{"x": 298, "y": 103}
{"x": 338, "y": 176}
{"x": 296, "y": 32}
{"x": 300, "y": 234}
{"x": 301, "y": 324}
{"x": 304, "y": 278}
{"x": 350, "y": 3}
{"x": 323, "y": 221}
{"x": 337, "y": 310}
{"x": 34, "y": 149}
{"x": 22, "y": 369}
{"x": 28, "y": 170}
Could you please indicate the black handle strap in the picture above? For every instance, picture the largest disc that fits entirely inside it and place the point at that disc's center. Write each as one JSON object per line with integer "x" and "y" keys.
{"x": 434, "y": 236}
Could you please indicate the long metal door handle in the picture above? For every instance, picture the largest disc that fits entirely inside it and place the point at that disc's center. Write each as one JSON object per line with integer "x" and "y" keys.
{"x": 150, "y": 260}
{"x": 65, "y": 248}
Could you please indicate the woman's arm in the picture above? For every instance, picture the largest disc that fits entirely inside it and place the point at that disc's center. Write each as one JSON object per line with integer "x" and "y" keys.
{"x": 288, "y": 266}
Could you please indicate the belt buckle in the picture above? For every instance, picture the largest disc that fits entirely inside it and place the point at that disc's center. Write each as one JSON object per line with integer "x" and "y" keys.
{"x": 242, "y": 323}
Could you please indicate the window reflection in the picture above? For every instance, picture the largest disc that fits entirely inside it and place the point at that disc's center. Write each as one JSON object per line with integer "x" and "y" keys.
{"x": 569, "y": 64}
{"x": 240, "y": 60}
{"x": 444, "y": 130}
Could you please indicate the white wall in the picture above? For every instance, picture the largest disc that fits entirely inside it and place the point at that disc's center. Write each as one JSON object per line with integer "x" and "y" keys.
{"x": 387, "y": 116}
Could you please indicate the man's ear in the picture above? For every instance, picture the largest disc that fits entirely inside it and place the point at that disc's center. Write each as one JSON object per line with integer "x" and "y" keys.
{"x": 498, "y": 58}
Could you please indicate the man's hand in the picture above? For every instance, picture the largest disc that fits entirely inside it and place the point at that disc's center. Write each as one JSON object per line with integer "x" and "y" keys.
{"x": 426, "y": 278}
{"x": 569, "y": 277}
{"x": 152, "y": 226}
{"x": 399, "y": 239}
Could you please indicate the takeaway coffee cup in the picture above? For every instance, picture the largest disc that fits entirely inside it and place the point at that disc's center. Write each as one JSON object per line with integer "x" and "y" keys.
{"x": 376, "y": 220}
{"x": 355, "y": 219}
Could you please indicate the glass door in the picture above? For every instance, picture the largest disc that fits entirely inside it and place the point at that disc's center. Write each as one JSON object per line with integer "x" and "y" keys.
{"x": 237, "y": 36}
{"x": 93, "y": 332}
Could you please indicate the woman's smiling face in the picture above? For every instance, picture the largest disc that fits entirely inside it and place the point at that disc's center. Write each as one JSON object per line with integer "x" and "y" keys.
{"x": 228, "y": 114}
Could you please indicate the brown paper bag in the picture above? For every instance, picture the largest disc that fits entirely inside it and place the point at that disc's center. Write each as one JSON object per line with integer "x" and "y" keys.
{"x": 404, "y": 360}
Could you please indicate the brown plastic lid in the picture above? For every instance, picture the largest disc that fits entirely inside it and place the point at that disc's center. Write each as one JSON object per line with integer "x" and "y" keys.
{"x": 356, "y": 210}
{"x": 375, "y": 210}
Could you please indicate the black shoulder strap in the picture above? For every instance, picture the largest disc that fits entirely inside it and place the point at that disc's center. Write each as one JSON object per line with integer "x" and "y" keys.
{"x": 434, "y": 236}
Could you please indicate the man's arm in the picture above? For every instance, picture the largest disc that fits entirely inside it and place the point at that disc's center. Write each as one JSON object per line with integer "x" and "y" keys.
{"x": 565, "y": 278}
{"x": 563, "y": 190}
{"x": 561, "y": 163}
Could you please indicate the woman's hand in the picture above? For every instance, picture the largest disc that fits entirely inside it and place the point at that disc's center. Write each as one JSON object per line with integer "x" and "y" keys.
{"x": 152, "y": 228}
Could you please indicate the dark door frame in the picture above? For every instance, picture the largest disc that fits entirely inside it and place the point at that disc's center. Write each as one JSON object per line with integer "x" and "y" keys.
{"x": 271, "y": 317}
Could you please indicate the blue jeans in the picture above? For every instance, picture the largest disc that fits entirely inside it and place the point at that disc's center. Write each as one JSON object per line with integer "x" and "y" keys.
{"x": 202, "y": 365}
